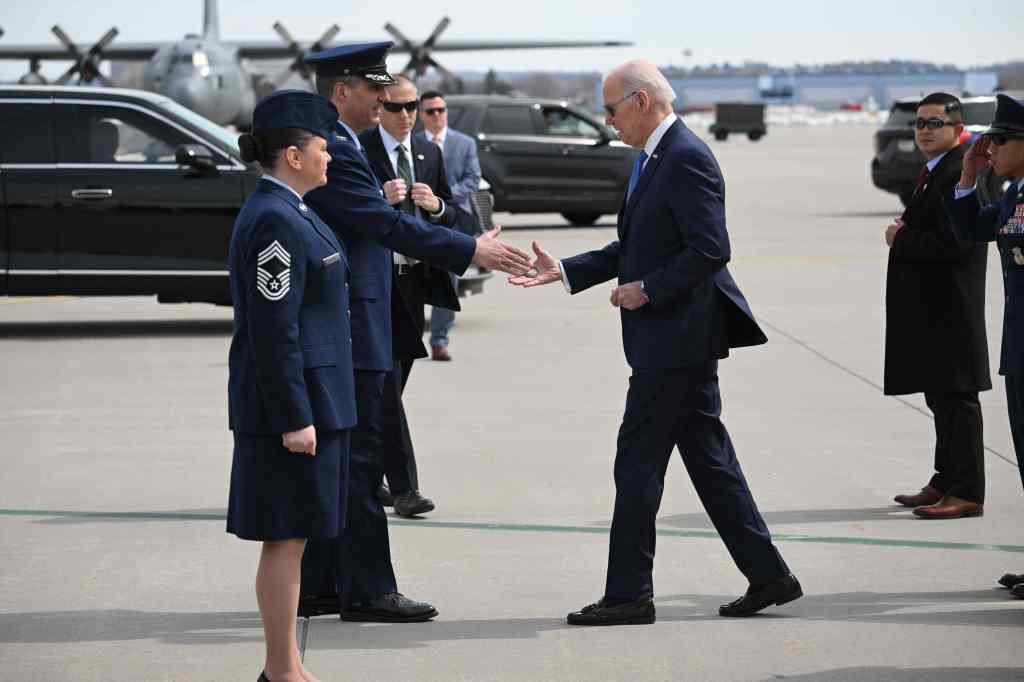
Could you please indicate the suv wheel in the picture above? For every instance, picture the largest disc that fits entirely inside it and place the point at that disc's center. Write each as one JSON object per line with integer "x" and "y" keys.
{"x": 581, "y": 219}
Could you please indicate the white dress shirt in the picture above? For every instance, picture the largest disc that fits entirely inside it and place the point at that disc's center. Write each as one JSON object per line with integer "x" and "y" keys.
{"x": 652, "y": 143}
{"x": 441, "y": 136}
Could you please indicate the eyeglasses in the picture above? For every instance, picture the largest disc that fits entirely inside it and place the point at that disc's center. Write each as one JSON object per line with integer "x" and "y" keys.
{"x": 610, "y": 108}
{"x": 435, "y": 111}
{"x": 930, "y": 123}
{"x": 396, "y": 107}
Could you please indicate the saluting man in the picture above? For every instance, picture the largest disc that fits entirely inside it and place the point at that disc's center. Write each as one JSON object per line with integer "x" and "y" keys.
{"x": 1002, "y": 146}
{"x": 290, "y": 389}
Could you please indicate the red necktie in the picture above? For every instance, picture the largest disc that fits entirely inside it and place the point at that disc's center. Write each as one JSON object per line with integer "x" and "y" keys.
{"x": 922, "y": 179}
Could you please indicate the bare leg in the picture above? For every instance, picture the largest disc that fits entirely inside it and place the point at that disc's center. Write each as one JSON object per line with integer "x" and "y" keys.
{"x": 277, "y": 592}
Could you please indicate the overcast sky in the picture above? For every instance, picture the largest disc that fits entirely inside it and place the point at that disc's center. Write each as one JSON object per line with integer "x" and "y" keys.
{"x": 782, "y": 33}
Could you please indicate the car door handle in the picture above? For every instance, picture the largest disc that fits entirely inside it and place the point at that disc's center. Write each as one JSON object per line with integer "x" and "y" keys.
{"x": 92, "y": 193}
{"x": 566, "y": 151}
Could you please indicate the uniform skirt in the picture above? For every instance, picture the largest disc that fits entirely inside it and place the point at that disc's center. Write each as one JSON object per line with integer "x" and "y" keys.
{"x": 281, "y": 495}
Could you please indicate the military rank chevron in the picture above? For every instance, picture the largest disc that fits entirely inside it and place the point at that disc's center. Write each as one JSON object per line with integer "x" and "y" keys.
{"x": 273, "y": 280}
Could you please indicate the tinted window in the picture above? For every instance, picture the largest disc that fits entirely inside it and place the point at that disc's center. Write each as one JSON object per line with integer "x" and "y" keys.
{"x": 509, "y": 120}
{"x": 979, "y": 113}
{"x": 455, "y": 115}
{"x": 901, "y": 115}
{"x": 26, "y": 133}
{"x": 564, "y": 123}
{"x": 100, "y": 134}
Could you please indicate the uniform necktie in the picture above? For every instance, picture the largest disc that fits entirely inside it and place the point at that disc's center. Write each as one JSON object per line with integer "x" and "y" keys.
{"x": 634, "y": 177}
{"x": 405, "y": 173}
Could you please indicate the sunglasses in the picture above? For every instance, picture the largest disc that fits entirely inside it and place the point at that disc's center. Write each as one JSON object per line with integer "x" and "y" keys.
{"x": 999, "y": 139}
{"x": 396, "y": 107}
{"x": 435, "y": 111}
{"x": 610, "y": 108}
{"x": 930, "y": 123}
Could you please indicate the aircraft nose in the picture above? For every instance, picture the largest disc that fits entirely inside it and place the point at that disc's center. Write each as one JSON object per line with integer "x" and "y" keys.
{"x": 194, "y": 94}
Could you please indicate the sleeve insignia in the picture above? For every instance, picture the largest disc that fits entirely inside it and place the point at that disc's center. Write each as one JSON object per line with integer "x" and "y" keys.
{"x": 273, "y": 269}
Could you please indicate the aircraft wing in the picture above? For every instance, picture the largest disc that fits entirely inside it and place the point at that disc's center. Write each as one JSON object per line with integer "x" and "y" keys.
{"x": 277, "y": 50}
{"x": 119, "y": 52}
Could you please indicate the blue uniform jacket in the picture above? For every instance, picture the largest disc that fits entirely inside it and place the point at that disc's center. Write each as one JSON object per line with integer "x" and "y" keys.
{"x": 672, "y": 236}
{"x": 353, "y": 205}
{"x": 290, "y": 363}
{"x": 993, "y": 223}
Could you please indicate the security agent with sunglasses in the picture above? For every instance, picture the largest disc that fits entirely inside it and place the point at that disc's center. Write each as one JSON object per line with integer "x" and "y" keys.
{"x": 1002, "y": 147}
{"x": 413, "y": 174}
{"x": 354, "y": 572}
{"x": 935, "y": 340}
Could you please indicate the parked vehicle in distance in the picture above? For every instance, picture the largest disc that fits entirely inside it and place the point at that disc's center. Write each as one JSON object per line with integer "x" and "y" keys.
{"x": 739, "y": 117}
{"x": 898, "y": 161}
{"x": 545, "y": 156}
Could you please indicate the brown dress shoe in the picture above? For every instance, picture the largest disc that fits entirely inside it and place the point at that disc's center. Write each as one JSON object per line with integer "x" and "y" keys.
{"x": 950, "y": 507}
{"x": 928, "y": 495}
{"x": 440, "y": 353}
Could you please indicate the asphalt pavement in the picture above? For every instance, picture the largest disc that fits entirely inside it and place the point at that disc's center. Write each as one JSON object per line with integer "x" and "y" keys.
{"x": 115, "y": 454}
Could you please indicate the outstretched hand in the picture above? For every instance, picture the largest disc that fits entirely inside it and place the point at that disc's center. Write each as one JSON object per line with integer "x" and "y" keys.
{"x": 494, "y": 254}
{"x": 545, "y": 270}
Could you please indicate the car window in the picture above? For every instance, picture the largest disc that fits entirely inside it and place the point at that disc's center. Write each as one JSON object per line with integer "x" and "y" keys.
{"x": 26, "y": 133}
{"x": 509, "y": 120}
{"x": 455, "y": 115}
{"x": 113, "y": 135}
{"x": 563, "y": 123}
{"x": 901, "y": 115}
{"x": 979, "y": 113}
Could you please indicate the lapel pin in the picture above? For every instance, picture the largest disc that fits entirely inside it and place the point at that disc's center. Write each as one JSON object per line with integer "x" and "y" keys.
{"x": 654, "y": 156}
{"x": 302, "y": 207}
{"x": 419, "y": 156}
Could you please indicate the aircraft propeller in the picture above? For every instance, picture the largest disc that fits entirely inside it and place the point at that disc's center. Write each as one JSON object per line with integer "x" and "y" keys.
{"x": 299, "y": 64}
{"x": 87, "y": 65}
{"x": 420, "y": 58}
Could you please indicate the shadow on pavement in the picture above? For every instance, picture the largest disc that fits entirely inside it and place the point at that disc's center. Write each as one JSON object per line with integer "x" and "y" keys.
{"x": 781, "y": 518}
{"x": 894, "y": 608}
{"x": 894, "y": 674}
{"x": 114, "y": 328}
{"x": 326, "y": 634}
{"x": 115, "y": 625}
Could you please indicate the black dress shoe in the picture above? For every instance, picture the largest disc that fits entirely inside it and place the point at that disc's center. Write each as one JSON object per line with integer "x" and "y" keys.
{"x": 605, "y": 612}
{"x": 411, "y": 504}
{"x": 389, "y": 608}
{"x": 318, "y": 605}
{"x": 780, "y": 592}
{"x": 1018, "y": 590}
{"x": 1011, "y": 580}
{"x": 384, "y": 496}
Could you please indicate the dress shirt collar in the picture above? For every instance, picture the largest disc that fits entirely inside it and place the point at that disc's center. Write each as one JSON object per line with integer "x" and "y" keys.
{"x": 282, "y": 183}
{"x": 935, "y": 162}
{"x": 441, "y": 136}
{"x": 390, "y": 142}
{"x": 659, "y": 132}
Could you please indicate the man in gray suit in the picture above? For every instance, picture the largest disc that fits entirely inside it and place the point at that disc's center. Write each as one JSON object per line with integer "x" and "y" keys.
{"x": 463, "y": 170}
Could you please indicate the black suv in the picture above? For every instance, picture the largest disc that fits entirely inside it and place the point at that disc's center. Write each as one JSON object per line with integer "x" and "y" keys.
{"x": 898, "y": 161}
{"x": 544, "y": 156}
{"x": 119, "y": 192}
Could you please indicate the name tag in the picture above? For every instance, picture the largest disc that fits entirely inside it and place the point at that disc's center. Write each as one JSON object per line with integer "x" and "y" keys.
{"x": 332, "y": 259}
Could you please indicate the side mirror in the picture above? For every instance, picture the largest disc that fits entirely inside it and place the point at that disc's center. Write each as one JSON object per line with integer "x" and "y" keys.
{"x": 195, "y": 156}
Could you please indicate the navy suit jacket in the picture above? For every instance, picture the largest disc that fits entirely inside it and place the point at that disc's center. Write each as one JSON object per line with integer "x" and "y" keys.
{"x": 984, "y": 224}
{"x": 672, "y": 236}
{"x": 353, "y": 204}
{"x": 290, "y": 363}
{"x": 462, "y": 165}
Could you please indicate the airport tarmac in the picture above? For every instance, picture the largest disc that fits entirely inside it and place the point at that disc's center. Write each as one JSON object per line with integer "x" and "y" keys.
{"x": 115, "y": 459}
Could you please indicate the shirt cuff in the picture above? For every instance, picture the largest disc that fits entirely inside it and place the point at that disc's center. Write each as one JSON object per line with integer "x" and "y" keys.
{"x": 434, "y": 217}
{"x": 565, "y": 277}
{"x": 959, "y": 193}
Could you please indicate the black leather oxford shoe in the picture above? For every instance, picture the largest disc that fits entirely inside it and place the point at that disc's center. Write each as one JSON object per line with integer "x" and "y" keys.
{"x": 389, "y": 608}
{"x": 605, "y": 612}
{"x": 412, "y": 504}
{"x": 384, "y": 495}
{"x": 782, "y": 591}
{"x": 1018, "y": 590}
{"x": 1011, "y": 580}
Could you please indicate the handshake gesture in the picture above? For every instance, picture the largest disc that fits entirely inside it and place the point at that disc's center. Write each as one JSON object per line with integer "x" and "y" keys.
{"x": 545, "y": 270}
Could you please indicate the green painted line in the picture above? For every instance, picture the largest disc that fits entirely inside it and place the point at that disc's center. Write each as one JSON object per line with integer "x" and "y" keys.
{"x": 534, "y": 528}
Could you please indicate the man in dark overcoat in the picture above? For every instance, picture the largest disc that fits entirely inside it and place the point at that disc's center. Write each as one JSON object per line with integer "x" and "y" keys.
{"x": 935, "y": 319}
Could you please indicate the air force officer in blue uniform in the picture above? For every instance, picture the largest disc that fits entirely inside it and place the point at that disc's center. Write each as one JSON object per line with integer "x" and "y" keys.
{"x": 681, "y": 312}
{"x": 290, "y": 390}
{"x": 1002, "y": 146}
{"x": 356, "y": 569}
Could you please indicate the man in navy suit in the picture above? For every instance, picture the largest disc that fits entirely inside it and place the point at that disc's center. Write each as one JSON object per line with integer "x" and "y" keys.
{"x": 681, "y": 313}
{"x": 462, "y": 166}
{"x": 354, "y": 572}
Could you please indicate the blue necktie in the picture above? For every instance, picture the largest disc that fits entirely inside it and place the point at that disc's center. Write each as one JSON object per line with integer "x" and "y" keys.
{"x": 634, "y": 177}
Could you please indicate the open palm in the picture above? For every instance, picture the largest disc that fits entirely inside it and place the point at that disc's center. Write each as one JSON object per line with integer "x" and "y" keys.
{"x": 545, "y": 270}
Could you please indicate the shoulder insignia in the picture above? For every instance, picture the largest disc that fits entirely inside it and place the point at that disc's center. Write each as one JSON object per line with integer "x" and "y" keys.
{"x": 273, "y": 269}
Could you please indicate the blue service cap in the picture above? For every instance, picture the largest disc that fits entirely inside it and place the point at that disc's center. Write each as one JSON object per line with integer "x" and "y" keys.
{"x": 366, "y": 60}
{"x": 1009, "y": 119}
{"x": 295, "y": 109}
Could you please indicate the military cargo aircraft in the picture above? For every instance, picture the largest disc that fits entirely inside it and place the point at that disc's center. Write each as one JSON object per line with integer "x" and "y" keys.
{"x": 208, "y": 75}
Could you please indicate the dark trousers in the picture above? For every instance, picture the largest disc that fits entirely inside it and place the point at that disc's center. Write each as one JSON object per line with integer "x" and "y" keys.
{"x": 399, "y": 458}
{"x": 1015, "y": 406}
{"x": 959, "y": 449}
{"x": 357, "y": 564}
{"x": 680, "y": 408}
